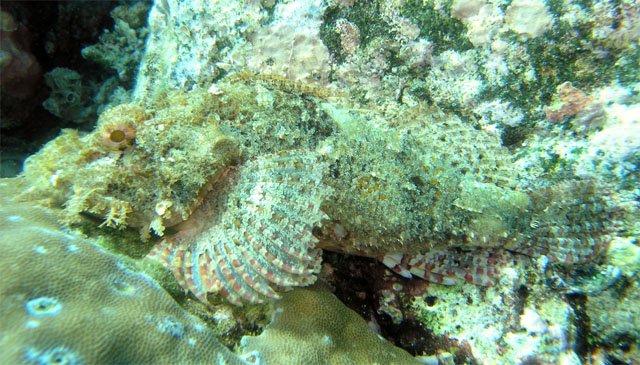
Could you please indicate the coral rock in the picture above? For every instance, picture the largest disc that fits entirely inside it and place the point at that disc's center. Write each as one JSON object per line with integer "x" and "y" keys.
{"x": 311, "y": 326}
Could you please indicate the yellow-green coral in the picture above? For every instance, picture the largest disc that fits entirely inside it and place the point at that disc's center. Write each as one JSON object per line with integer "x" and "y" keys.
{"x": 311, "y": 326}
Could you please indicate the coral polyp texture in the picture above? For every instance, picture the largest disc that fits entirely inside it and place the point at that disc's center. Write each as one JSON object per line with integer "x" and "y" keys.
{"x": 311, "y": 326}
{"x": 65, "y": 300}
{"x": 253, "y": 232}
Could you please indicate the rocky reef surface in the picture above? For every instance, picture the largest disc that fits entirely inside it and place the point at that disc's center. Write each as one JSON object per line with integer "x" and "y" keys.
{"x": 461, "y": 174}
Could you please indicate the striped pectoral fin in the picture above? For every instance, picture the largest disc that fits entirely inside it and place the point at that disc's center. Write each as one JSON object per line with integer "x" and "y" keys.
{"x": 259, "y": 238}
{"x": 397, "y": 262}
{"x": 451, "y": 266}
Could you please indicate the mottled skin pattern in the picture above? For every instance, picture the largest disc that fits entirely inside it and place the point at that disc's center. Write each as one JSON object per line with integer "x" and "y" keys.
{"x": 569, "y": 223}
{"x": 436, "y": 199}
{"x": 403, "y": 180}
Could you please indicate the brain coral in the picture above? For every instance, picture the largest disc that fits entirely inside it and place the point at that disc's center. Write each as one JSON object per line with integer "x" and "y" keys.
{"x": 311, "y": 326}
{"x": 64, "y": 300}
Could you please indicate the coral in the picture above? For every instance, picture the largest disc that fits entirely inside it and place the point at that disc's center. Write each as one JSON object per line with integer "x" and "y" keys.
{"x": 253, "y": 232}
{"x": 573, "y": 102}
{"x": 607, "y": 147}
{"x": 349, "y": 35}
{"x": 70, "y": 97}
{"x": 483, "y": 20}
{"x": 289, "y": 49}
{"x": 518, "y": 318}
{"x": 383, "y": 299}
{"x": 454, "y": 79}
{"x": 529, "y": 17}
{"x": 515, "y": 320}
{"x": 121, "y": 49}
{"x": 343, "y": 3}
{"x": 194, "y": 43}
{"x": 613, "y": 314}
{"x": 417, "y": 54}
{"x": 63, "y": 299}
{"x": 624, "y": 254}
{"x": 616, "y": 24}
{"x": 311, "y": 326}
{"x": 498, "y": 112}
{"x": 404, "y": 30}
{"x": 617, "y": 142}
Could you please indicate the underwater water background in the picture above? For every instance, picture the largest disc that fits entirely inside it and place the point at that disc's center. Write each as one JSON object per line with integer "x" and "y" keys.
{"x": 320, "y": 181}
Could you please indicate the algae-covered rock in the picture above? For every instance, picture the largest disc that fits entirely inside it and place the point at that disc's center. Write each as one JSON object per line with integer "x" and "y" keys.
{"x": 615, "y": 314}
{"x": 70, "y": 98}
{"x": 614, "y": 309}
{"x": 311, "y": 326}
{"x": 121, "y": 48}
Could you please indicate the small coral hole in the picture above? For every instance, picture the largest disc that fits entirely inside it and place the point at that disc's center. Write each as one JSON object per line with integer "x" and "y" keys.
{"x": 118, "y": 137}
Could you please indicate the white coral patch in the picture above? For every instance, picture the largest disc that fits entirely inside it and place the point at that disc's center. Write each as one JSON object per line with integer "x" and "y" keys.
{"x": 529, "y": 17}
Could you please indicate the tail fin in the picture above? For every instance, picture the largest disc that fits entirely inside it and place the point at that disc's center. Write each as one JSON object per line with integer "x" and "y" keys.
{"x": 571, "y": 222}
